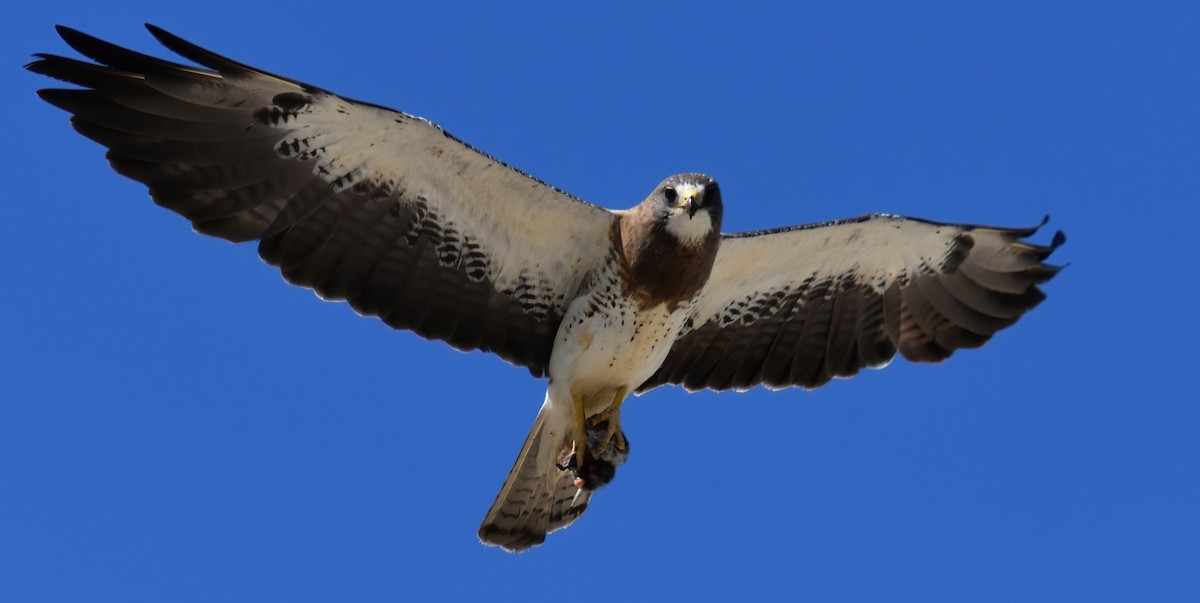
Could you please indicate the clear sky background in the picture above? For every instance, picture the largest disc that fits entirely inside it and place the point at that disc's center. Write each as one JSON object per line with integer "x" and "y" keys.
{"x": 177, "y": 424}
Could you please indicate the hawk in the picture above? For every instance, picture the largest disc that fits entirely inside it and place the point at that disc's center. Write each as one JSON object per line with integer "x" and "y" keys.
{"x": 391, "y": 214}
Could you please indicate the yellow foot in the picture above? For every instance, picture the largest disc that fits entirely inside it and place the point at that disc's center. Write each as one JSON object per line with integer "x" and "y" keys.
{"x": 619, "y": 398}
{"x": 613, "y": 416}
{"x": 580, "y": 449}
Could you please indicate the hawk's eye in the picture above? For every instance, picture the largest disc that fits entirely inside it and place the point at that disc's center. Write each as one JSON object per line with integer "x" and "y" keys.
{"x": 670, "y": 194}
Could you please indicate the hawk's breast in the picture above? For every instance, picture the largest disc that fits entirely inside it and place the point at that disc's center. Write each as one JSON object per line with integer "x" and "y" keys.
{"x": 608, "y": 340}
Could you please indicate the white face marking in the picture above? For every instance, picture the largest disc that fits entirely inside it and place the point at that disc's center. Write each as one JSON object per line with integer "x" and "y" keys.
{"x": 691, "y": 230}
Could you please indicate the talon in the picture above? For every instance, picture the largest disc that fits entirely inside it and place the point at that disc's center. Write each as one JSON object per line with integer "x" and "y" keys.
{"x": 570, "y": 461}
{"x": 620, "y": 443}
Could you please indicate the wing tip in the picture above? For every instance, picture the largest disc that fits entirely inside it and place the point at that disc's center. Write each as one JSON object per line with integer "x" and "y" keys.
{"x": 83, "y": 43}
{"x": 1060, "y": 237}
{"x": 163, "y": 36}
{"x": 1056, "y": 241}
{"x": 65, "y": 32}
{"x": 1041, "y": 252}
{"x": 193, "y": 52}
{"x": 62, "y": 98}
{"x": 38, "y": 64}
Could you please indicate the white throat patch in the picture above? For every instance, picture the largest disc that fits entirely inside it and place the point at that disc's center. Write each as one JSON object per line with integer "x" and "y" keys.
{"x": 690, "y": 230}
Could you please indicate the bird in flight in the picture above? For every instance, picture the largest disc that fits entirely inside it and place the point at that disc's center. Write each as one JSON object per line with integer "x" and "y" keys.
{"x": 393, "y": 215}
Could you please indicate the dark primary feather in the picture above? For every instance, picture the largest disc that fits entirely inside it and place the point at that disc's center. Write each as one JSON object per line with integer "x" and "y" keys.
{"x": 789, "y": 309}
{"x": 415, "y": 227}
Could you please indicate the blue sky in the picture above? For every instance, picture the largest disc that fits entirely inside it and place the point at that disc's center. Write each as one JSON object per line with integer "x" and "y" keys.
{"x": 178, "y": 424}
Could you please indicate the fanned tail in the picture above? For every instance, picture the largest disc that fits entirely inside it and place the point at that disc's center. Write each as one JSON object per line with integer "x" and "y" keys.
{"x": 537, "y": 497}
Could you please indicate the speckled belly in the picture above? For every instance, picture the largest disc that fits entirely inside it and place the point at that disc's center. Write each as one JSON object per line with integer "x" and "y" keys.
{"x": 600, "y": 348}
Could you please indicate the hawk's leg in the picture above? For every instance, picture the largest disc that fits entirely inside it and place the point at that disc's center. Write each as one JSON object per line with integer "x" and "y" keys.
{"x": 580, "y": 428}
{"x": 575, "y": 459}
{"x": 599, "y": 446}
{"x": 611, "y": 418}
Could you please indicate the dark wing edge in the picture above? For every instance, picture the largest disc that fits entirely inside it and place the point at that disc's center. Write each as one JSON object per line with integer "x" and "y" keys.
{"x": 360, "y": 203}
{"x": 803, "y": 305}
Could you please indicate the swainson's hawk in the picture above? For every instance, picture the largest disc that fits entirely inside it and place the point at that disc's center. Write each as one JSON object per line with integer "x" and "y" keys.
{"x": 392, "y": 214}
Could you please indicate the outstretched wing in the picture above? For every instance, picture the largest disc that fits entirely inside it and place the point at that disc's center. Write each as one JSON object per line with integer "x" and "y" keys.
{"x": 800, "y": 306}
{"x": 360, "y": 203}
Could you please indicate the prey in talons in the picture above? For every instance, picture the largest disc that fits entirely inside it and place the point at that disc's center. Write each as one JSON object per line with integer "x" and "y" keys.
{"x": 599, "y": 446}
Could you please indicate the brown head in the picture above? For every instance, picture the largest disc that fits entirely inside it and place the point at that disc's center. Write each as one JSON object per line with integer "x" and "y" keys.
{"x": 670, "y": 239}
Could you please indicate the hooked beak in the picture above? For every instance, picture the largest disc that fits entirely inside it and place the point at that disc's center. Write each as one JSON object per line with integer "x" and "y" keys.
{"x": 688, "y": 197}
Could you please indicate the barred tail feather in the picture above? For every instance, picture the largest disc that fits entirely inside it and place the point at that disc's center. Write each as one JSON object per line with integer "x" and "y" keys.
{"x": 537, "y": 497}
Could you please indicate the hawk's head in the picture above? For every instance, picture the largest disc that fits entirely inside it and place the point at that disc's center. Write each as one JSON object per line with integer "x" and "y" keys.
{"x": 690, "y": 206}
{"x": 670, "y": 240}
